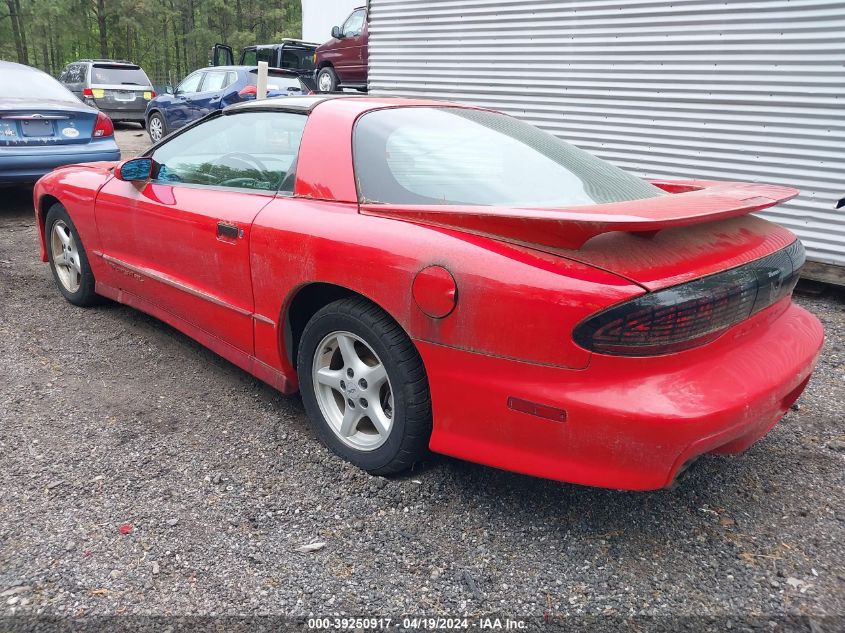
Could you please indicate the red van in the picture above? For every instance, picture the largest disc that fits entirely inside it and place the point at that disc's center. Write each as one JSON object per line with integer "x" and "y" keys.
{"x": 342, "y": 61}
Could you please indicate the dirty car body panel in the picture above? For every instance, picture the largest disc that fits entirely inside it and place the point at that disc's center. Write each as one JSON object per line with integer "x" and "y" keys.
{"x": 516, "y": 380}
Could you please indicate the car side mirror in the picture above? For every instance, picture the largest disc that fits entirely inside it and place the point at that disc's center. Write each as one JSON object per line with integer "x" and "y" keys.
{"x": 337, "y": 33}
{"x": 169, "y": 90}
{"x": 134, "y": 169}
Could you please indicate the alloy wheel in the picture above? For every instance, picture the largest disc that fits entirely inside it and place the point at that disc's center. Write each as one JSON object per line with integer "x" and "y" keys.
{"x": 65, "y": 257}
{"x": 156, "y": 129}
{"x": 353, "y": 391}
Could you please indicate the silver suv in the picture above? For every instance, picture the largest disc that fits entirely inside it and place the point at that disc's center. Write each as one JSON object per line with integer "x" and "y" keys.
{"x": 121, "y": 89}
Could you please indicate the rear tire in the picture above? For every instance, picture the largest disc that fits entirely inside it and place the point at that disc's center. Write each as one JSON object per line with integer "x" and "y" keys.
{"x": 364, "y": 387}
{"x": 68, "y": 260}
{"x": 327, "y": 80}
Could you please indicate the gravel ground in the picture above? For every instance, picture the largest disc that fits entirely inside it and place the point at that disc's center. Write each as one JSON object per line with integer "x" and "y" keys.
{"x": 131, "y": 138}
{"x": 112, "y": 422}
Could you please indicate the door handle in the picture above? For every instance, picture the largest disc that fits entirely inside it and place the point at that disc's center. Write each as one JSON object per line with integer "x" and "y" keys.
{"x": 228, "y": 230}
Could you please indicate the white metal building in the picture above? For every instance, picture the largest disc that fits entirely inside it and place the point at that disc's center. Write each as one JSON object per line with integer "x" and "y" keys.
{"x": 730, "y": 89}
{"x": 319, "y": 16}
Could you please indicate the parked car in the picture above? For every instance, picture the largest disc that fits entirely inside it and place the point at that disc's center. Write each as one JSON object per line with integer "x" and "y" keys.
{"x": 121, "y": 89}
{"x": 432, "y": 275}
{"x": 288, "y": 54}
{"x": 43, "y": 125}
{"x": 209, "y": 89}
{"x": 342, "y": 61}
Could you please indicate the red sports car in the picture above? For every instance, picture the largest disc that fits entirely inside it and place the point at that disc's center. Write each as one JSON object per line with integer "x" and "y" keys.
{"x": 436, "y": 276}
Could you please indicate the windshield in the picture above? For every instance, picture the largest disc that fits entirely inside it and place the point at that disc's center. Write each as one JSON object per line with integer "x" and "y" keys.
{"x": 27, "y": 83}
{"x": 461, "y": 156}
{"x": 252, "y": 56}
{"x": 129, "y": 75}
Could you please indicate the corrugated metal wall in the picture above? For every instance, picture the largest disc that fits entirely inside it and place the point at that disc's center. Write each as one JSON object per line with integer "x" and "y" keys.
{"x": 745, "y": 90}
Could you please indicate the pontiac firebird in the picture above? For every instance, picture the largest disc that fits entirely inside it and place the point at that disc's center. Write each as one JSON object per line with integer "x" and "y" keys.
{"x": 433, "y": 276}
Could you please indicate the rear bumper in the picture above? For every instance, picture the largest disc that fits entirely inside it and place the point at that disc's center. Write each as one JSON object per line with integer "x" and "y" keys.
{"x": 125, "y": 115}
{"x": 631, "y": 423}
{"x": 28, "y": 166}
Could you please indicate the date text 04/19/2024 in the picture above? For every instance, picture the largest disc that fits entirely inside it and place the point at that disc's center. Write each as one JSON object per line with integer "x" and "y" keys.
{"x": 417, "y": 623}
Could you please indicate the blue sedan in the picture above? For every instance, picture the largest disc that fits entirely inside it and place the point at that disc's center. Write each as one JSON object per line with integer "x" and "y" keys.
{"x": 43, "y": 126}
{"x": 214, "y": 88}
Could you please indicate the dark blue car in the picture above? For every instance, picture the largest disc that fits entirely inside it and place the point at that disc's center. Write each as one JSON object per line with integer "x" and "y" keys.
{"x": 213, "y": 88}
{"x": 43, "y": 126}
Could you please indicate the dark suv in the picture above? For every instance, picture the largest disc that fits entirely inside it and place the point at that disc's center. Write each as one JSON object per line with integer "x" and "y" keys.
{"x": 342, "y": 61}
{"x": 120, "y": 89}
{"x": 293, "y": 55}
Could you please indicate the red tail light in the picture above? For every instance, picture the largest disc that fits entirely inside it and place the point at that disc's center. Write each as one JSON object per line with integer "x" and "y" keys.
{"x": 87, "y": 92}
{"x": 692, "y": 313}
{"x": 152, "y": 94}
{"x": 248, "y": 91}
{"x": 103, "y": 126}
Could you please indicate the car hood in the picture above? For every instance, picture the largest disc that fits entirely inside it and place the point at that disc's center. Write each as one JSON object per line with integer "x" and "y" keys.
{"x": 701, "y": 228}
{"x": 105, "y": 166}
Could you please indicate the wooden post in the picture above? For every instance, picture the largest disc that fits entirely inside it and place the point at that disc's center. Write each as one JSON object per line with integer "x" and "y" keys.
{"x": 261, "y": 88}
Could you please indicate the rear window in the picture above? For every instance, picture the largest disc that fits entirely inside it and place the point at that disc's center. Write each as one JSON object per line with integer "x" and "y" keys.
{"x": 298, "y": 58}
{"x": 461, "y": 156}
{"x": 118, "y": 74}
{"x": 26, "y": 83}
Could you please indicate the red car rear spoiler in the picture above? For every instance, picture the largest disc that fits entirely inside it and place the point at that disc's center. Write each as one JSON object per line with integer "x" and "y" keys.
{"x": 690, "y": 202}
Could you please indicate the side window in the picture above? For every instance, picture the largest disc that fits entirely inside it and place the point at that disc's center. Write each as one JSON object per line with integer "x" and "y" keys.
{"x": 248, "y": 150}
{"x": 354, "y": 23}
{"x": 74, "y": 74}
{"x": 190, "y": 84}
{"x": 249, "y": 58}
{"x": 214, "y": 80}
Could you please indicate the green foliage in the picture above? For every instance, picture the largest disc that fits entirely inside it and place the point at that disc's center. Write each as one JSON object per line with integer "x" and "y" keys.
{"x": 168, "y": 38}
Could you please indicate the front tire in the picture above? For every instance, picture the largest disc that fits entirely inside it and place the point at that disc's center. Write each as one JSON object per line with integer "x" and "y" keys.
{"x": 68, "y": 259}
{"x": 364, "y": 387}
{"x": 327, "y": 80}
{"x": 156, "y": 127}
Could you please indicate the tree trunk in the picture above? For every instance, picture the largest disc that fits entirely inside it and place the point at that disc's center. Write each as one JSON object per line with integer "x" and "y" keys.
{"x": 178, "y": 58}
{"x": 101, "y": 25}
{"x": 166, "y": 52}
{"x": 22, "y": 31}
{"x": 45, "y": 52}
{"x": 16, "y": 31}
{"x": 185, "y": 29}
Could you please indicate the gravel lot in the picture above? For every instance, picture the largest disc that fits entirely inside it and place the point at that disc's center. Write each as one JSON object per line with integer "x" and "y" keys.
{"x": 110, "y": 418}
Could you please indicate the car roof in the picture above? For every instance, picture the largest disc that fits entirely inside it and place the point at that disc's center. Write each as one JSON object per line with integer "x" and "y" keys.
{"x": 272, "y": 69}
{"x": 113, "y": 62}
{"x": 281, "y": 43}
{"x": 308, "y": 103}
